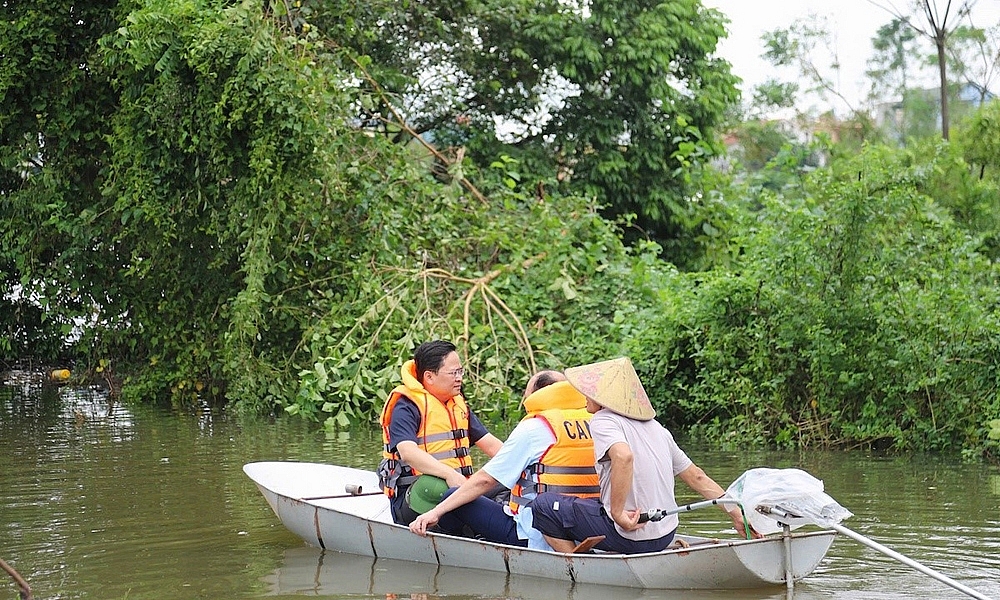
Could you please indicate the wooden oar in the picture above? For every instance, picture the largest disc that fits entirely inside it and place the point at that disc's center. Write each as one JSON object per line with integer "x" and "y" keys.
{"x": 782, "y": 514}
{"x": 25, "y": 589}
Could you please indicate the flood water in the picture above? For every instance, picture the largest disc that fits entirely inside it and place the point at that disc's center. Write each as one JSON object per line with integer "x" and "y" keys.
{"x": 103, "y": 501}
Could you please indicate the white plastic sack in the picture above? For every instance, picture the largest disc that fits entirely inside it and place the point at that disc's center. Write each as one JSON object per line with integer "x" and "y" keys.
{"x": 791, "y": 490}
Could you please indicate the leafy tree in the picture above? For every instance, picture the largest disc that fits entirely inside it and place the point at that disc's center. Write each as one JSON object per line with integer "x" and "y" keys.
{"x": 809, "y": 46}
{"x": 614, "y": 100}
{"x": 974, "y": 59}
{"x": 238, "y": 223}
{"x": 759, "y": 144}
{"x": 938, "y": 25}
{"x": 896, "y": 52}
{"x": 971, "y": 186}
{"x": 772, "y": 95}
{"x": 980, "y": 140}
{"x": 54, "y": 104}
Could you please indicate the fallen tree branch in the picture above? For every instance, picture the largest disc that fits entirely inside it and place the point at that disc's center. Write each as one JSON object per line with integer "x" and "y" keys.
{"x": 401, "y": 122}
{"x": 25, "y": 589}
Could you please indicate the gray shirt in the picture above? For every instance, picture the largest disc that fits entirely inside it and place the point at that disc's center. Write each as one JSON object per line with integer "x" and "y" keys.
{"x": 657, "y": 460}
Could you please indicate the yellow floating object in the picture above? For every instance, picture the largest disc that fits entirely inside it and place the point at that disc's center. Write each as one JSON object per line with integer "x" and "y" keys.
{"x": 60, "y": 375}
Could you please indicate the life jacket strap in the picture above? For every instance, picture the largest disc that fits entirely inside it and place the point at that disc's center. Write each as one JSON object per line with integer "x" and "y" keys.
{"x": 559, "y": 470}
{"x": 454, "y": 434}
{"x": 575, "y": 490}
{"x": 459, "y": 452}
{"x": 521, "y": 500}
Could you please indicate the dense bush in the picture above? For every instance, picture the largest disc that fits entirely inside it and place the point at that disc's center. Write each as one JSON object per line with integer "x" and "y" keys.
{"x": 860, "y": 315}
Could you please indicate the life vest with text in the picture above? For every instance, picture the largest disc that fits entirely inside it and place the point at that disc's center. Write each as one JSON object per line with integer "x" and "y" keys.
{"x": 567, "y": 467}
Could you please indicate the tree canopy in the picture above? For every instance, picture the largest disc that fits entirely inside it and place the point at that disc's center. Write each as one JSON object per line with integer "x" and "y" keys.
{"x": 271, "y": 204}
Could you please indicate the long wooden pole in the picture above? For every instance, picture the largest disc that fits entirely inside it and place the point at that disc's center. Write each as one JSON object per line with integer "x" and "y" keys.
{"x": 783, "y": 516}
{"x": 908, "y": 561}
{"x": 25, "y": 589}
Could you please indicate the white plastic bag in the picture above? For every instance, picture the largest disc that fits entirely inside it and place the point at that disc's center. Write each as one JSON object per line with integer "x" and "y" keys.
{"x": 790, "y": 490}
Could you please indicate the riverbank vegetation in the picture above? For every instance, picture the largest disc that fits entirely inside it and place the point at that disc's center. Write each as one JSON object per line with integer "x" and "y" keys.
{"x": 270, "y": 204}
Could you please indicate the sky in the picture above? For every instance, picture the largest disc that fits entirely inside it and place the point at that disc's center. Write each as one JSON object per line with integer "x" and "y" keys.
{"x": 854, "y": 23}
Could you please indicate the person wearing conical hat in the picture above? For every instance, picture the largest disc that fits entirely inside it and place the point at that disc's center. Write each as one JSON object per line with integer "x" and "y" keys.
{"x": 637, "y": 460}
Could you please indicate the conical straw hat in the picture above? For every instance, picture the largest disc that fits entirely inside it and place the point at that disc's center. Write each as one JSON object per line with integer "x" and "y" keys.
{"x": 614, "y": 385}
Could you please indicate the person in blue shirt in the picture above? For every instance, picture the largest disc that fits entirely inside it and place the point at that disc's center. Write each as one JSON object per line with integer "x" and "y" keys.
{"x": 558, "y": 438}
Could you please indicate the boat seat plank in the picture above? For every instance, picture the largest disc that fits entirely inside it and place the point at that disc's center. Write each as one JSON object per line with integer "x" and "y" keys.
{"x": 587, "y": 544}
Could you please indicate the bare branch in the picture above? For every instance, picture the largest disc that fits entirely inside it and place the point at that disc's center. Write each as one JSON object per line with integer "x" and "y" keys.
{"x": 398, "y": 119}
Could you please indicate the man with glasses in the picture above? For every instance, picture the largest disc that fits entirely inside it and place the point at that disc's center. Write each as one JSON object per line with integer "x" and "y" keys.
{"x": 428, "y": 428}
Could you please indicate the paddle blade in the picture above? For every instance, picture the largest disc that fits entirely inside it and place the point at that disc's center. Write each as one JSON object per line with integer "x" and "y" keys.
{"x": 793, "y": 491}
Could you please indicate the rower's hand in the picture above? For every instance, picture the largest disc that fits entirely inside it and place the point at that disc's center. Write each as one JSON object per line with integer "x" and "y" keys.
{"x": 742, "y": 527}
{"x": 629, "y": 520}
{"x": 422, "y": 523}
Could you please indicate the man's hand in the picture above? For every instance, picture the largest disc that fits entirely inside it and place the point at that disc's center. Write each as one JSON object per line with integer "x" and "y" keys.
{"x": 422, "y": 523}
{"x": 629, "y": 520}
{"x": 454, "y": 478}
{"x": 741, "y": 526}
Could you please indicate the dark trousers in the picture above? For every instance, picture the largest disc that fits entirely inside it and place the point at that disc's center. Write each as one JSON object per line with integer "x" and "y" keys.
{"x": 485, "y": 518}
{"x": 401, "y": 511}
{"x": 576, "y": 519}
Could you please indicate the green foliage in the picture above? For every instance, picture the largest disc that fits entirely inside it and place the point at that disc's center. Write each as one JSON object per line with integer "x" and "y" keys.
{"x": 773, "y": 94}
{"x": 245, "y": 239}
{"x": 808, "y": 46}
{"x": 973, "y": 58}
{"x": 607, "y": 99}
{"x": 960, "y": 184}
{"x": 519, "y": 283}
{"x": 53, "y": 105}
{"x": 228, "y": 201}
{"x": 201, "y": 198}
{"x": 979, "y": 138}
{"x": 771, "y": 157}
{"x": 216, "y": 177}
{"x": 860, "y": 315}
{"x": 895, "y": 54}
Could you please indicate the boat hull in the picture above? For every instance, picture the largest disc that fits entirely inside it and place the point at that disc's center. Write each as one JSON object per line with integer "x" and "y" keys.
{"x": 310, "y": 500}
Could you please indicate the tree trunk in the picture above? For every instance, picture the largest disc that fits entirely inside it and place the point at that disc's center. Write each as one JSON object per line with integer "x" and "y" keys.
{"x": 939, "y": 42}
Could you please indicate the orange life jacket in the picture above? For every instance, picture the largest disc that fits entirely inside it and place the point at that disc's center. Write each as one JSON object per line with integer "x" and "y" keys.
{"x": 443, "y": 432}
{"x": 567, "y": 466}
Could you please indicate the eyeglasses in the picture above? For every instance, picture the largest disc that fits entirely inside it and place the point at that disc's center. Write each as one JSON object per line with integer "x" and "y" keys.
{"x": 456, "y": 374}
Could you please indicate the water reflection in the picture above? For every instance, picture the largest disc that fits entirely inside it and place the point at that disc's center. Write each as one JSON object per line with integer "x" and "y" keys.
{"x": 313, "y": 572}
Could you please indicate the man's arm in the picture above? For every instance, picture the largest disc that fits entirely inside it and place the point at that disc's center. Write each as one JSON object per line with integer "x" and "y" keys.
{"x": 699, "y": 481}
{"x": 489, "y": 444}
{"x": 472, "y": 488}
{"x": 621, "y": 486}
{"x": 423, "y": 462}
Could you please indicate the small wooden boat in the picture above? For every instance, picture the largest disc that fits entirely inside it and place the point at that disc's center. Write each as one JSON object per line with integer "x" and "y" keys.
{"x": 339, "y": 508}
